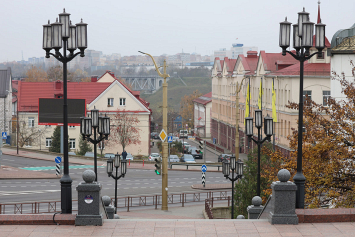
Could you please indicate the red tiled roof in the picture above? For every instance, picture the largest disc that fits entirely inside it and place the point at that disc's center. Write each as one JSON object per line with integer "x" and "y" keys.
{"x": 135, "y": 93}
{"x": 204, "y": 99}
{"x": 30, "y": 92}
{"x": 249, "y": 63}
{"x": 230, "y": 64}
{"x": 310, "y": 69}
{"x": 270, "y": 60}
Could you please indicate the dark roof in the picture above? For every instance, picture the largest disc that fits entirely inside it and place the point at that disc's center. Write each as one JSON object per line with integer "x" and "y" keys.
{"x": 5, "y": 80}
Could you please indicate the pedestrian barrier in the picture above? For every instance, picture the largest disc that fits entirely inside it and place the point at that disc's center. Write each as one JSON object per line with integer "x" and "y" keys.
{"x": 155, "y": 200}
{"x": 33, "y": 207}
{"x": 187, "y": 165}
{"x": 213, "y": 146}
{"x": 209, "y": 204}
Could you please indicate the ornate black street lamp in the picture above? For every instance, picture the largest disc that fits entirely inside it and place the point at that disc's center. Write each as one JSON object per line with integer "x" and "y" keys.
{"x": 234, "y": 166}
{"x": 268, "y": 130}
{"x": 302, "y": 42}
{"x": 55, "y": 36}
{"x": 116, "y": 163}
{"x": 96, "y": 122}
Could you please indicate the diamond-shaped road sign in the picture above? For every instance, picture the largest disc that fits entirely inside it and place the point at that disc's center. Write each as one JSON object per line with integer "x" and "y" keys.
{"x": 162, "y": 135}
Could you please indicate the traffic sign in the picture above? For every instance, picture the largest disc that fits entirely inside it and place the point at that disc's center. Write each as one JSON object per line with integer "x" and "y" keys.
{"x": 4, "y": 135}
{"x": 203, "y": 179}
{"x": 203, "y": 168}
{"x": 170, "y": 139}
{"x": 162, "y": 135}
{"x": 58, "y": 160}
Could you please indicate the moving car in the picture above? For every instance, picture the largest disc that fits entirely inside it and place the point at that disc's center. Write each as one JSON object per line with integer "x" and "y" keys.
{"x": 187, "y": 158}
{"x": 195, "y": 154}
{"x": 174, "y": 158}
{"x": 222, "y": 157}
{"x": 153, "y": 156}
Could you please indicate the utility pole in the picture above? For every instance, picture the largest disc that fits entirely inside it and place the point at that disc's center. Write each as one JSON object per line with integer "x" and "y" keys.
{"x": 164, "y": 189}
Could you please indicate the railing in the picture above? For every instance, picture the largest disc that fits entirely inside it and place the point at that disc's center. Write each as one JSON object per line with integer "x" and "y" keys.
{"x": 213, "y": 146}
{"x": 33, "y": 208}
{"x": 209, "y": 204}
{"x": 187, "y": 165}
{"x": 264, "y": 214}
{"x": 155, "y": 200}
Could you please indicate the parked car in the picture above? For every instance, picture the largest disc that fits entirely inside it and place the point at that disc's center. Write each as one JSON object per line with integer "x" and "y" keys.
{"x": 174, "y": 158}
{"x": 222, "y": 157}
{"x": 109, "y": 155}
{"x": 191, "y": 137}
{"x": 187, "y": 158}
{"x": 89, "y": 154}
{"x": 153, "y": 156}
{"x": 195, "y": 154}
{"x": 71, "y": 153}
{"x": 154, "y": 135}
{"x": 190, "y": 148}
{"x": 129, "y": 156}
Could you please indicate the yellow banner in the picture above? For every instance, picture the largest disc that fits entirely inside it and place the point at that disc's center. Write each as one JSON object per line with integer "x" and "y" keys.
{"x": 247, "y": 104}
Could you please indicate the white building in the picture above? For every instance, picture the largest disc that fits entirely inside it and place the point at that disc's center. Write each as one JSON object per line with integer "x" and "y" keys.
{"x": 5, "y": 100}
{"x": 202, "y": 115}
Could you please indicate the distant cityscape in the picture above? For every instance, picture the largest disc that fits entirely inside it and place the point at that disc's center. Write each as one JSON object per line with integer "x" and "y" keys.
{"x": 95, "y": 60}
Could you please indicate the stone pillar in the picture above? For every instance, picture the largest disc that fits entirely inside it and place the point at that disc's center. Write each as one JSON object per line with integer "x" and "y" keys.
{"x": 110, "y": 210}
{"x": 88, "y": 201}
{"x": 283, "y": 201}
{"x": 255, "y": 209}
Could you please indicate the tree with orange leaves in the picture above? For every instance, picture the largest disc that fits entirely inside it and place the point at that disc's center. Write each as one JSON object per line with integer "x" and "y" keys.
{"x": 187, "y": 107}
{"x": 36, "y": 74}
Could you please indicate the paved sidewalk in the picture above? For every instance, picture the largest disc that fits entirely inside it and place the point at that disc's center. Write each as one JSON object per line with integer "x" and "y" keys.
{"x": 181, "y": 228}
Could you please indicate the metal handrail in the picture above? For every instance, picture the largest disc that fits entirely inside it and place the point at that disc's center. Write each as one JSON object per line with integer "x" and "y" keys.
{"x": 187, "y": 165}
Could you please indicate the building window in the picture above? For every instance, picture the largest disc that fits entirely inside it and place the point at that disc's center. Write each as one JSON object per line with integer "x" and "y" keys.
{"x": 308, "y": 93}
{"x": 48, "y": 142}
{"x": 31, "y": 122}
{"x": 326, "y": 96}
{"x": 72, "y": 143}
{"x": 110, "y": 102}
{"x": 320, "y": 57}
{"x": 122, "y": 101}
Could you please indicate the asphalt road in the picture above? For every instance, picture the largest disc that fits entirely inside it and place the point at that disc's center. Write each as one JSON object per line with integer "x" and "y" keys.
{"x": 137, "y": 182}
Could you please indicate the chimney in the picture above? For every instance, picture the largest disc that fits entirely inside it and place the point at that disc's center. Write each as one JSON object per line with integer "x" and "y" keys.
{"x": 58, "y": 85}
{"x": 252, "y": 54}
{"x": 93, "y": 78}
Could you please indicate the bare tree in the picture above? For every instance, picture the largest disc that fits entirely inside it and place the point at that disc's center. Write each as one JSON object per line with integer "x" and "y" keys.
{"x": 29, "y": 133}
{"x": 124, "y": 130}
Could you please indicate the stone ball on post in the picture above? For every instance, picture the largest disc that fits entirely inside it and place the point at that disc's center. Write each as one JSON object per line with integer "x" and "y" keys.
{"x": 240, "y": 217}
{"x": 256, "y": 201}
{"x": 284, "y": 175}
{"x": 106, "y": 200}
{"x": 89, "y": 176}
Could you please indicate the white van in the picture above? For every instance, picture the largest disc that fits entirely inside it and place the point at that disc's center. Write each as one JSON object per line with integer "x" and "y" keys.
{"x": 183, "y": 134}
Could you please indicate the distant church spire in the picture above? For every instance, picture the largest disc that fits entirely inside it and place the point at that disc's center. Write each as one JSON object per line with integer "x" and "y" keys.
{"x": 318, "y": 20}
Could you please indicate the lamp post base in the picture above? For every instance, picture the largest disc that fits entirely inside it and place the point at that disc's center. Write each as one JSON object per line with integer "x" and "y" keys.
{"x": 66, "y": 194}
{"x": 299, "y": 180}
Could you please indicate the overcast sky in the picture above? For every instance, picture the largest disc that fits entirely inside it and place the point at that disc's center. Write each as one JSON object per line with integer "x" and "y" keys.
{"x": 163, "y": 26}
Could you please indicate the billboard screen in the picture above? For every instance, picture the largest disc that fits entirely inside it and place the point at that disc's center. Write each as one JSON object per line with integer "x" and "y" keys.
{"x": 50, "y": 111}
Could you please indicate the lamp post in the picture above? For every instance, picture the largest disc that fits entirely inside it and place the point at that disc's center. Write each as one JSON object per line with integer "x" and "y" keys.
{"x": 302, "y": 42}
{"x": 55, "y": 36}
{"x": 268, "y": 130}
{"x": 234, "y": 165}
{"x": 164, "y": 185}
{"x": 116, "y": 162}
{"x": 101, "y": 125}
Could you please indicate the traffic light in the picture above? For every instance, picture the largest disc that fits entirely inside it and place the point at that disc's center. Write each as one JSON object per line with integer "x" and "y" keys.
{"x": 157, "y": 166}
{"x": 200, "y": 146}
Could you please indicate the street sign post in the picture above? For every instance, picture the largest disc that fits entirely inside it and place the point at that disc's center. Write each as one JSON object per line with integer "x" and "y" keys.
{"x": 162, "y": 135}
{"x": 4, "y": 135}
{"x": 170, "y": 139}
{"x": 57, "y": 160}
{"x": 203, "y": 179}
{"x": 203, "y": 168}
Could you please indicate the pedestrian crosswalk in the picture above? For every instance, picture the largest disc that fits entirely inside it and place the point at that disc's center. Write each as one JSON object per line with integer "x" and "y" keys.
{"x": 42, "y": 168}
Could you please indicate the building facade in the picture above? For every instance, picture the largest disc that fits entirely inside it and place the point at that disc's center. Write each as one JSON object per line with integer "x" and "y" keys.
{"x": 202, "y": 115}
{"x": 6, "y": 101}
{"x": 108, "y": 95}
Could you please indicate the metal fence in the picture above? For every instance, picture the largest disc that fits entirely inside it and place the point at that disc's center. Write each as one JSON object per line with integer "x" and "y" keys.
{"x": 209, "y": 204}
{"x": 127, "y": 203}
